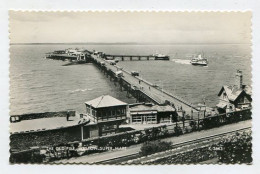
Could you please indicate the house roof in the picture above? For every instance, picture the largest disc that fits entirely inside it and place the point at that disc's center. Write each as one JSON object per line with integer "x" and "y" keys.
{"x": 248, "y": 89}
{"x": 233, "y": 91}
{"x": 105, "y": 101}
{"x": 222, "y": 105}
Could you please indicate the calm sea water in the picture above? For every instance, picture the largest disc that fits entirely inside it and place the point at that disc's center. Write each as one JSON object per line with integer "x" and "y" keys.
{"x": 41, "y": 85}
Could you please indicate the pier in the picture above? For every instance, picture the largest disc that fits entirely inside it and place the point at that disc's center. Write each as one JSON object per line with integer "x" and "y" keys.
{"x": 135, "y": 57}
{"x": 135, "y": 86}
{"x": 141, "y": 89}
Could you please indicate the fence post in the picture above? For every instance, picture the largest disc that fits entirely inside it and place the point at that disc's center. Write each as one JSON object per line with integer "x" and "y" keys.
{"x": 183, "y": 123}
{"x": 198, "y": 120}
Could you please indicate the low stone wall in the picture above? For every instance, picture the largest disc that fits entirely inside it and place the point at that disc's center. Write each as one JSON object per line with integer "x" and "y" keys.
{"x": 229, "y": 150}
{"x": 24, "y": 141}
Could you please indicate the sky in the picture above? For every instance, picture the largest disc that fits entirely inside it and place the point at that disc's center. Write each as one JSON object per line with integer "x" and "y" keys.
{"x": 137, "y": 27}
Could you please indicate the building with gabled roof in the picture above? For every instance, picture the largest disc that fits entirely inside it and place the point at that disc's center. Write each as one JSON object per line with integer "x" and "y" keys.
{"x": 234, "y": 97}
{"x": 108, "y": 112}
{"x": 105, "y": 101}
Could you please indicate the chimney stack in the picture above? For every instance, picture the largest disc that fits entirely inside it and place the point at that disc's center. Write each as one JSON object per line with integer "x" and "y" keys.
{"x": 239, "y": 79}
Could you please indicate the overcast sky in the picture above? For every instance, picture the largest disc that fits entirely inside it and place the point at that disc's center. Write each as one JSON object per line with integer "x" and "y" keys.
{"x": 166, "y": 27}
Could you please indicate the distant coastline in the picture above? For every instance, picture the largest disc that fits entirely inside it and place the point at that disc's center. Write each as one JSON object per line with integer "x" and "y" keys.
{"x": 126, "y": 43}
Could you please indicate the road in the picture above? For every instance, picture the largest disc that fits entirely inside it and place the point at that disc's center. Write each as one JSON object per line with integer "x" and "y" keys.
{"x": 136, "y": 148}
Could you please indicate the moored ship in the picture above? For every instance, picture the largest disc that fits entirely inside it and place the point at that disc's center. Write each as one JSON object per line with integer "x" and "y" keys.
{"x": 161, "y": 57}
{"x": 199, "y": 60}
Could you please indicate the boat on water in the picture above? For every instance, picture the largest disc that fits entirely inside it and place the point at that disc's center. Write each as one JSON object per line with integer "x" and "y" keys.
{"x": 199, "y": 60}
{"x": 161, "y": 57}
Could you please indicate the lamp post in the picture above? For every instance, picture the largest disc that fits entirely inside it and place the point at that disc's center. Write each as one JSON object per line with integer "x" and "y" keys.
{"x": 199, "y": 120}
{"x": 204, "y": 102}
{"x": 183, "y": 119}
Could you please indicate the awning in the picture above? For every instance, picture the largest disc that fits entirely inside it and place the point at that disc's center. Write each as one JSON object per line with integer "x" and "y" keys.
{"x": 222, "y": 105}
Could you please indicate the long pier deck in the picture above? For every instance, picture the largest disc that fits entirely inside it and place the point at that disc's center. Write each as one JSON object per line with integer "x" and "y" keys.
{"x": 155, "y": 94}
{"x": 137, "y": 57}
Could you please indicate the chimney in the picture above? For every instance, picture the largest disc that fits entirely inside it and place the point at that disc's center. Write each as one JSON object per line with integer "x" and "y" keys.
{"x": 239, "y": 79}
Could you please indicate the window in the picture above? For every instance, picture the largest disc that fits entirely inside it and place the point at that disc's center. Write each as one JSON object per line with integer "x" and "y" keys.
{"x": 118, "y": 112}
{"x": 93, "y": 112}
{"x": 151, "y": 118}
{"x": 136, "y": 119}
{"x": 88, "y": 110}
{"x": 108, "y": 127}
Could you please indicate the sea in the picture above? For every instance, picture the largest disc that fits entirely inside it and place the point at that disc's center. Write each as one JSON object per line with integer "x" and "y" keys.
{"x": 43, "y": 85}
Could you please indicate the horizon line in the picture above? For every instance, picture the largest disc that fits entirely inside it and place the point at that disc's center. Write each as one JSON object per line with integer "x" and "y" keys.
{"x": 115, "y": 43}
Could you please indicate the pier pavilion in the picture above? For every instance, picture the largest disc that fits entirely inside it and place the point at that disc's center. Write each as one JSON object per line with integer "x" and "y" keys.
{"x": 107, "y": 112}
{"x": 151, "y": 114}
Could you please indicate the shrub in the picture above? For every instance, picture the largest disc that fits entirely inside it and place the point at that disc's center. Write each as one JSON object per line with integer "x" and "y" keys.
{"x": 151, "y": 147}
{"x": 236, "y": 149}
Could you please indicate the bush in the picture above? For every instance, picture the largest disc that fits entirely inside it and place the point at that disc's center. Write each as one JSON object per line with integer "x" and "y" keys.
{"x": 154, "y": 146}
{"x": 236, "y": 149}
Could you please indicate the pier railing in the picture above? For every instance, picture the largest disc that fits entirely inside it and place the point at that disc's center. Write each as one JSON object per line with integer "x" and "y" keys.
{"x": 181, "y": 100}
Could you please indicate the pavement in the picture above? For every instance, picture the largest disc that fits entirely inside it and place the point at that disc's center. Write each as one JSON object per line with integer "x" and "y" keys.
{"x": 136, "y": 148}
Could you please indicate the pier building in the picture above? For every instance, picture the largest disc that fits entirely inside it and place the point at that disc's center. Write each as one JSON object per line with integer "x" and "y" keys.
{"x": 234, "y": 97}
{"x": 72, "y": 55}
{"x": 151, "y": 114}
{"x": 107, "y": 112}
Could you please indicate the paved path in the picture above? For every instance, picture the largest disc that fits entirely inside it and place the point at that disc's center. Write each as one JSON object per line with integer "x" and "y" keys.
{"x": 136, "y": 148}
